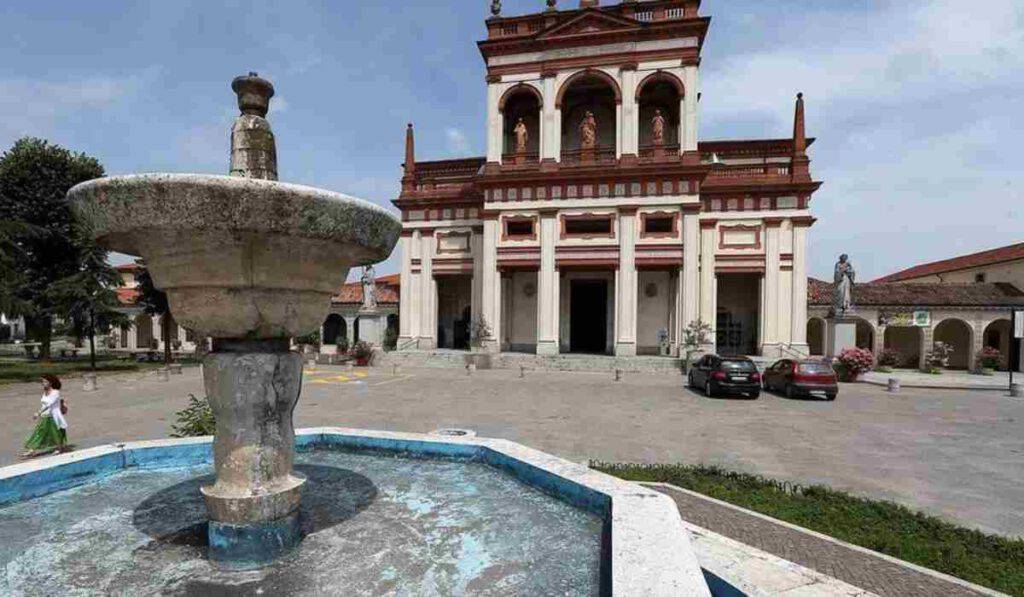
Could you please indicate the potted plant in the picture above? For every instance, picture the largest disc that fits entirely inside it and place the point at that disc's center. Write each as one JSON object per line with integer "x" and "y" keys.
{"x": 853, "y": 362}
{"x": 989, "y": 360}
{"x": 938, "y": 357}
{"x": 362, "y": 352}
{"x": 889, "y": 359}
{"x": 695, "y": 335}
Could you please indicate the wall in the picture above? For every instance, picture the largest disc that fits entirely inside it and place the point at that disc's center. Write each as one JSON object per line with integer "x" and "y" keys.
{"x": 654, "y": 312}
{"x": 521, "y": 312}
{"x": 1012, "y": 272}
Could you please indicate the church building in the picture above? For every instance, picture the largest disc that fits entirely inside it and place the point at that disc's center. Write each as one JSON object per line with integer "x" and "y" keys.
{"x": 599, "y": 222}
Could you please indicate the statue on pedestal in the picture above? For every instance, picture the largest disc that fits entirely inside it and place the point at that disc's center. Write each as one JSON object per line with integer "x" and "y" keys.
{"x": 522, "y": 136}
{"x": 588, "y": 131}
{"x": 842, "y": 297}
{"x": 369, "y": 288}
{"x": 658, "y": 128}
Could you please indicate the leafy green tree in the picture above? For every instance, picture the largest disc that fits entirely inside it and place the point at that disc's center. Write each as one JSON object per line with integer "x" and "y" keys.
{"x": 89, "y": 297}
{"x": 154, "y": 302}
{"x": 35, "y": 177}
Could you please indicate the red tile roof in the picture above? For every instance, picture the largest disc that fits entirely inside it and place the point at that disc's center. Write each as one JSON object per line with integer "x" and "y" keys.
{"x": 819, "y": 293}
{"x": 387, "y": 291}
{"x": 128, "y": 267}
{"x": 128, "y": 296}
{"x": 990, "y": 257}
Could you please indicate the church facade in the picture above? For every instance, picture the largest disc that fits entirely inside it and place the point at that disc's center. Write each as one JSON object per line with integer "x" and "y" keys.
{"x": 598, "y": 222}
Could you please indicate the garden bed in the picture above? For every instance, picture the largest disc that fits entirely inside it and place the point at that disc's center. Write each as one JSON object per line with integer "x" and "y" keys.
{"x": 886, "y": 527}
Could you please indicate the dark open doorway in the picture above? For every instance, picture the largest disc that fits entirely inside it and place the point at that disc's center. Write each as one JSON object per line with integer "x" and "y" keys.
{"x": 738, "y": 321}
{"x": 588, "y": 316}
{"x": 454, "y": 313}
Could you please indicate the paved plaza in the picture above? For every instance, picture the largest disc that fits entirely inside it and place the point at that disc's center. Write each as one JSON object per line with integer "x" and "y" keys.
{"x": 957, "y": 454}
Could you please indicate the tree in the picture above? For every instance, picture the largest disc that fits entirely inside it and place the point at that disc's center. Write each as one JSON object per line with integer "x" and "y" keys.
{"x": 154, "y": 302}
{"x": 695, "y": 335}
{"x": 35, "y": 177}
{"x": 89, "y": 297}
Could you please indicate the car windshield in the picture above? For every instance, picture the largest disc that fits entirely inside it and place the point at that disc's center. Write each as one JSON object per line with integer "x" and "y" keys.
{"x": 738, "y": 366}
{"x": 819, "y": 368}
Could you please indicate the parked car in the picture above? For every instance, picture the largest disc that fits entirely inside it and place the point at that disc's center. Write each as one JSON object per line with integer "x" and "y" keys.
{"x": 801, "y": 378}
{"x": 725, "y": 375}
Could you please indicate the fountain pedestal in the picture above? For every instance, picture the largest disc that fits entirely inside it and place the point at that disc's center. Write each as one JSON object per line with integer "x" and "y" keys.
{"x": 252, "y": 263}
{"x": 253, "y": 388}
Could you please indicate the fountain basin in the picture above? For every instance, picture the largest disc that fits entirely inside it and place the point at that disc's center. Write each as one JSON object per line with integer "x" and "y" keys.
{"x": 237, "y": 257}
{"x": 483, "y": 514}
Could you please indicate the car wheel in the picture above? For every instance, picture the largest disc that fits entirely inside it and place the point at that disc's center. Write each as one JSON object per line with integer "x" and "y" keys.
{"x": 830, "y": 397}
{"x": 707, "y": 389}
{"x": 755, "y": 395}
{"x": 790, "y": 393}
{"x": 689, "y": 381}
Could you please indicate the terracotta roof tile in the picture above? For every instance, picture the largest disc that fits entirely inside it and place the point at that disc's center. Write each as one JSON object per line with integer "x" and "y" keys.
{"x": 992, "y": 256}
{"x": 819, "y": 293}
{"x": 387, "y": 291}
{"x": 128, "y": 296}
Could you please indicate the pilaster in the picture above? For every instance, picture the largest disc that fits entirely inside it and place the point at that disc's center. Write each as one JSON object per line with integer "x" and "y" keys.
{"x": 708, "y": 279}
{"x": 551, "y": 127}
{"x": 406, "y": 319}
{"x": 798, "y": 333}
{"x": 547, "y": 288}
{"x": 691, "y": 83}
{"x": 490, "y": 290}
{"x": 428, "y": 294}
{"x": 626, "y": 286}
{"x": 494, "y": 123}
{"x": 770, "y": 310}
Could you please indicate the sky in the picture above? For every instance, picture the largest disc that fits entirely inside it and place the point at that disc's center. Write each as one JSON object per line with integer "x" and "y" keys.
{"x": 916, "y": 104}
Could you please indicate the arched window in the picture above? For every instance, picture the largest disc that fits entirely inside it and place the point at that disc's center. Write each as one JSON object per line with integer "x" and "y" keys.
{"x": 588, "y": 100}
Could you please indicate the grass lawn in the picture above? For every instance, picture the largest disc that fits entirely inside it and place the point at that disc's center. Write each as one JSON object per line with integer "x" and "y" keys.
{"x": 17, "y": 371}
{"x": 988, "y": 560}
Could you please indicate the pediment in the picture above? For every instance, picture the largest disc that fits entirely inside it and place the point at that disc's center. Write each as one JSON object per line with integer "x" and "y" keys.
{"x": 591, "y": 21}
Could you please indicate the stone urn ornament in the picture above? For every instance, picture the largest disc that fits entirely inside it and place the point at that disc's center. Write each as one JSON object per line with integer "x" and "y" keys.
{"x": 251, "y": 263}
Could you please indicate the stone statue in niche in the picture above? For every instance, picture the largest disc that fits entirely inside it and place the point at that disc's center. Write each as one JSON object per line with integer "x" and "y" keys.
{"x": 369, "y": 288}
{"x": 588, "y": 131}
{"x": 842, "y": 298}
{"x": 658, "y": 128}
{"x": 522, "y": 136}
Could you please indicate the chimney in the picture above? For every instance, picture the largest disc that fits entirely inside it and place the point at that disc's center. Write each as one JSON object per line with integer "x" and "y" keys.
{"x": 800, "y": 167}
{"x": 409, "y": 180}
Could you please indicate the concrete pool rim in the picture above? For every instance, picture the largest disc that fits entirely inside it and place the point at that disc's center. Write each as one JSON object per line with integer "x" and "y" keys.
{"x": 648, "y": 551}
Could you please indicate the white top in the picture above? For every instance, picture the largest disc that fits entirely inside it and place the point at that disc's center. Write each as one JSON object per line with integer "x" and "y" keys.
{"x": 51, "y": 402}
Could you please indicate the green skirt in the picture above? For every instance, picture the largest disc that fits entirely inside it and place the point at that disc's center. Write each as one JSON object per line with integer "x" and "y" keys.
{"x": 46, "y": 435}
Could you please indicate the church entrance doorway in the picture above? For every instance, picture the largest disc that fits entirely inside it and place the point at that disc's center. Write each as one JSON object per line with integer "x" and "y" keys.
{"x": 454, "y": 311}
{"x": 738, "y": 322}
{"x": 588, "y": 316}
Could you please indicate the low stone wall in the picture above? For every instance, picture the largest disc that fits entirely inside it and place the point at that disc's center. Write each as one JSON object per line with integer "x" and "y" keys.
{"x": 507, "y": 360}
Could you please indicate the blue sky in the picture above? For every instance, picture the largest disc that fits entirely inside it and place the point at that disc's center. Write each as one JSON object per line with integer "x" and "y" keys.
{"x": 916, "y": 104}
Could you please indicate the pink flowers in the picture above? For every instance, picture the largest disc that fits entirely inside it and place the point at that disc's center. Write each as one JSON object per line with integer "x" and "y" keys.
{"x": 852, "y": 362}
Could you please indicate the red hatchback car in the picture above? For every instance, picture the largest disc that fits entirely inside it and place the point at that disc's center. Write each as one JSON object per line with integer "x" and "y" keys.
{"x": 797, "y": 378}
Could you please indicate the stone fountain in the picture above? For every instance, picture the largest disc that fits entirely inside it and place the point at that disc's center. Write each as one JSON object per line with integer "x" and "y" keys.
{"x": 250, "y": 262}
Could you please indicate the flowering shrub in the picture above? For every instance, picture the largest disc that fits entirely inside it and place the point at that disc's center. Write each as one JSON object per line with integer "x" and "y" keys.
{"x": 990, "y": 358}
{"x": 890, "y": 357}
{"x": 852, "y": 362}
{"x": 939, "y": 355}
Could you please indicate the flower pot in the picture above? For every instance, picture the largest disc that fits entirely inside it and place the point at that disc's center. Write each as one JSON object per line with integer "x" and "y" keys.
{"x": 362, "y": 361}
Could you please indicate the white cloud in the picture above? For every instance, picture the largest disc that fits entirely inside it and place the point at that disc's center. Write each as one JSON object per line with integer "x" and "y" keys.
{"x": 458, "y": 143}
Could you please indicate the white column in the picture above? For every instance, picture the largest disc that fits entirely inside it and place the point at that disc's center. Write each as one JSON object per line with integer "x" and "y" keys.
{"x": 476, "y": 247}
{"x": 428, "y": 294}
{"x": 133, "y": 336}
{"x": 691, "y": 83}
{"x": 350, "y": 330}
{"x": 618, "y": 130}
{"x": 490, "y": 290}
{"x": 550, "y": 130}
{"x": 494, "y": 122}
{"x": 708, "y": 281}
{"x": 626, "y": 288}
{"x": 798, "y": 323}
{"x": 691, "y": 269}
{"x": 769, "y": 314}
{"x": 630, "y": 115}
{"x": 547, "y": 288}
{"x": 406, "y": 328}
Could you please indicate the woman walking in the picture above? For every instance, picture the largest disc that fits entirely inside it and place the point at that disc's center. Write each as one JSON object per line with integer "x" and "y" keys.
{"x": 50, "y": 433}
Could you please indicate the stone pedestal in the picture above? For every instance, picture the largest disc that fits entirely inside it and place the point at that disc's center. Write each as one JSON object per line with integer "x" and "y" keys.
{"x": 373, "y": 326}
{"x": 254, "y": 505}
{"x": 840, "y": 334}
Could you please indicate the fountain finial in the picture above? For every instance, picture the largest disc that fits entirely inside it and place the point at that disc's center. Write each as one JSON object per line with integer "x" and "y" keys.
{"x": 253, "y": 148}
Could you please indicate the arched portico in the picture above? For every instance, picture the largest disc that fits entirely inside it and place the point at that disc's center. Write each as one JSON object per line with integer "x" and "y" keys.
{"x": 907, "y": 342}
{"x": 960, "y": 335}
{"x": 999, "y": 335}
{"x": 816, "y": 336}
